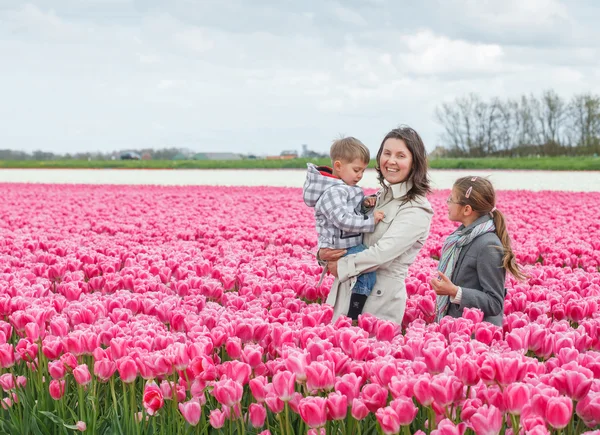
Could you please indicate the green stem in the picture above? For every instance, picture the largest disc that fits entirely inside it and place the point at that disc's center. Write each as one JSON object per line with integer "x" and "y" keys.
{"x": 281, "y": 425}
{"x": 81, "y": 403}
{"x": 126, "y": 418}
{"x": 288, "y": 428}
{"x": 114, "y": 398}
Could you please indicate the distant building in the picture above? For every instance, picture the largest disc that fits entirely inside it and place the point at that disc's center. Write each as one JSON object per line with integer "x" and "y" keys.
{"x": 130, "y": 155}
{"x": 438, "y": 152}
{"x": 217, "y": 156}
{"x": 289, "y": 154}
{"x": 310, "y": 154}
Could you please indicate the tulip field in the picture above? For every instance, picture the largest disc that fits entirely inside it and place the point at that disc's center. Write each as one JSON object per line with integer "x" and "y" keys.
{"x": 194, "y": 310}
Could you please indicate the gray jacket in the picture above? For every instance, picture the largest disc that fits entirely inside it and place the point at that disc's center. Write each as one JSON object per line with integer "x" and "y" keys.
{"x": 340, "y": 223}
{"x": 480, "y": 274}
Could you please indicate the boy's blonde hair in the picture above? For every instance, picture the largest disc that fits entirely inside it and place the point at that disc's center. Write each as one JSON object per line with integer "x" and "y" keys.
{"x": 348, "y": 149}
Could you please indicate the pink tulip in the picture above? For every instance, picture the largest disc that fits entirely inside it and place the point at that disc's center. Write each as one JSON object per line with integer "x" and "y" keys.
{"x": 516, "y": 396}
{"x": 349, "y": 385}
{"x": 217, "y": 418}
{"x": 153, "y": 398}
{"x": 81, "y": 426}
{"x": 228, "y": 392}
{"x": 234, "y": 347}
{"x": 252, "y": 355}
{"x": 574, "y": 384}
{"x": 319, "y": 376}
{"x": 56, "y": 388}
{"x": 104, "y": 369}
{"x": 388, "y": 420}
{"x": 274, "y": 403}
{"x": 127, "y": 369}
{"x": 467, "y": 370}
{"x": 374, "y": 396}
{"x": 296, "y": 362}
{"x": 447, "y": 427}
{"x": 69, "y": 360}
{"x": 405, "y": 409}
{"x": 359, "y": 409}
{"x": 559, "y": 411}
{"x": 191, "y": 411}
{"x": 487, "y": 420}
{"x": 284, "y": 384}
{"x": 7, "y": 381}
{"x": 313, "y": 411}
{"x": 257, "y": 415}
{"x": 52, "y": 347}
{"x": 7, "y": 355}
{"x": 386, "y": 331}
{"x": 588, "y": 409}
{"x": 422, "y": 389}
{"x": 337, "y": 406}
{"x": 21, "y": 381}
{"x": 436, "y": 357}
{"x": 82, "y": 375}
{"x": 236, "y": 370}
{"x": 446, "y": 389}
{"x": 258, "y": 387}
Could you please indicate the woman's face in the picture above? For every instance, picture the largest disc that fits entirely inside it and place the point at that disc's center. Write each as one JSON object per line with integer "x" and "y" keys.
{"x": 395, "y": 161}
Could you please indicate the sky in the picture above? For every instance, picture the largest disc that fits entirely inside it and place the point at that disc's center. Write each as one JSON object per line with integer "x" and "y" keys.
{"x": 262, "y": 76}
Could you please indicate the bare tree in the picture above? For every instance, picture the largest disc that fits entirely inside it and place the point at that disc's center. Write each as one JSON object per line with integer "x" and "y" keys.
{"x": 449, "y": 116}
{"x": 546, "y": 125}
{"x": 584, "y": 116}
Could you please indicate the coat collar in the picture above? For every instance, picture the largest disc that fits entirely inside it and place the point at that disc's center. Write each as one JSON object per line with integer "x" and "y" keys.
{"x": 400, "y": 190}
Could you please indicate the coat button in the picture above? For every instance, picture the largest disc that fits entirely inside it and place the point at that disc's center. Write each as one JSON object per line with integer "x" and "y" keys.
{"x": 378, "y": 292}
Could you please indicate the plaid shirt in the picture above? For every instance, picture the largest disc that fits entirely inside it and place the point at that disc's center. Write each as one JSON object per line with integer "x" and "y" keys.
{"x": 340, "y": 223}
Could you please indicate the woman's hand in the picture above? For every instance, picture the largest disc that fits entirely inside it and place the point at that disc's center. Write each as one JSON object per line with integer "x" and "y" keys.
{"x": 332, "y": 268}
{"x": 328, "y": 254}
{"x": 443, "y": 286}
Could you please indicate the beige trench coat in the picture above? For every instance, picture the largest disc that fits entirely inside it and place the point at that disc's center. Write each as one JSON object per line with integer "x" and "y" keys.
{"x": 392, "y": 248}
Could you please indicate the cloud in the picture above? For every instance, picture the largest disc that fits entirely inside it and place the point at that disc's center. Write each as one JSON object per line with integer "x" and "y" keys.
{"x": 264, "y": 76}
{"x": 436, "y": 54}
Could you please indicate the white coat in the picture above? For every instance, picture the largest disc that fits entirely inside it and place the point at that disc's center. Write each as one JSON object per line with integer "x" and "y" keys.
{"x": 392, "y": 248}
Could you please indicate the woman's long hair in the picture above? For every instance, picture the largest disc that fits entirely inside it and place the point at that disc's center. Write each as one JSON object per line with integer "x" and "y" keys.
{"x": 418, "y": 173}
{"x": 479, "y": 193}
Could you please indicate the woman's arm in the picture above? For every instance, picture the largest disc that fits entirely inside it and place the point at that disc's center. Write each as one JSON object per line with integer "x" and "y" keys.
{"x": 408, "y": 226}
{"x": 491, "y": 274}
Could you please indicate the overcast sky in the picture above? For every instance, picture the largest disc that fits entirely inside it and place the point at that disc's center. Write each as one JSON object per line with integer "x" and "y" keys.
{"x": 262, "y": 76}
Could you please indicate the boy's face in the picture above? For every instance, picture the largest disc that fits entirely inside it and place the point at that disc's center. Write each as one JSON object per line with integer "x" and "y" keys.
{"x": 350, "y": 172}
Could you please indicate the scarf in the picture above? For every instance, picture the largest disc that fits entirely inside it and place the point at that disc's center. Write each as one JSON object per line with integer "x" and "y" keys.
{"x": 450, "y": 253}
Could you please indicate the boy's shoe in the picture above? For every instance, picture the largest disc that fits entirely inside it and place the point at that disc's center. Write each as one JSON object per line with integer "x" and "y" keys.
{"x": 357, "y": 302}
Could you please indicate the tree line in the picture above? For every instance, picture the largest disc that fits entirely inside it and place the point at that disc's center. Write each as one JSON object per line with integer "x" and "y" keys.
{"x": 546, "y": 125}
{"x": 160, "y": 154}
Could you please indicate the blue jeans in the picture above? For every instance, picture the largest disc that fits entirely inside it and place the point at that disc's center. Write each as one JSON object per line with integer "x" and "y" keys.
{"x": 366, "y": 281}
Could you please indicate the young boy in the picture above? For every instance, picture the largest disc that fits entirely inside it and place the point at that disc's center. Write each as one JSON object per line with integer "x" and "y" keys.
{"x": 339, "y": 203}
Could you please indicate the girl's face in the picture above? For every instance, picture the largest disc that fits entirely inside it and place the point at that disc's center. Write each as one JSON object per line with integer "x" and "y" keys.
{"x": 455, "y": 208}
{"x": 395, "y": 161}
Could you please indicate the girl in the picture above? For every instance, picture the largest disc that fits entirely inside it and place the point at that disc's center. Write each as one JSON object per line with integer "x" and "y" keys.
{"x": 475, "y": 257}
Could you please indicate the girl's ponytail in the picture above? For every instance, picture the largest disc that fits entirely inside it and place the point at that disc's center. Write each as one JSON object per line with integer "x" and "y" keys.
{"x": 508, "y": 261}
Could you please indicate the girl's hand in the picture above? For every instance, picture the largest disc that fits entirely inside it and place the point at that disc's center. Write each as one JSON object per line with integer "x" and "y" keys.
{"x": 332, "y": 267}
{"x": 327, "y": 254}
{"x": 443, "y": 286}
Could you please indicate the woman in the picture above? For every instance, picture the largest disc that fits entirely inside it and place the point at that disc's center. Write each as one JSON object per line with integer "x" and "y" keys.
{"x": 475, "y": 257}
{"x": 402, "y": 172}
